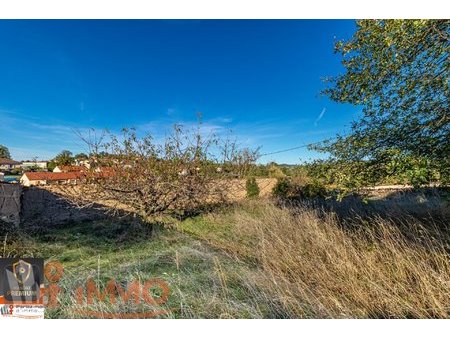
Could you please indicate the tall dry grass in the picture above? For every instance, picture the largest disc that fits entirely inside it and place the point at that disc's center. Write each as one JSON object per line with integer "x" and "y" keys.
{"x": 314, "y": 264}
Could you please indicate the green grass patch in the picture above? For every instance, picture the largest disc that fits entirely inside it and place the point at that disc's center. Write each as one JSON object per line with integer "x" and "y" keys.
{"x": 204, "y": 282}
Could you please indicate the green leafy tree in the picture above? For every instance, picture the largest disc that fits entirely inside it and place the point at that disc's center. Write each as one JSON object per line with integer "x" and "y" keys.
{"x": 65, "y": 157}
{"x": 4, "y": 152}
{"x": 81, "y": 156}
{"x": 51, "y": 165}
{"x": 398, "y": 72}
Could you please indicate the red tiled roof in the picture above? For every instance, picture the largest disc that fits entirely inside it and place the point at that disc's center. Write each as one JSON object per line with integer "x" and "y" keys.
{"x": 70, "y": 168}
{"x": 49, "y": 176}
{"x": 8, "y": 161}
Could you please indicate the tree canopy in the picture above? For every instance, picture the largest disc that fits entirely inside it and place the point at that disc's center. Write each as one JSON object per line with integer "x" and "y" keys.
{"x": 65, "y": 157}
{"x": 398, "y": 72}
{"x": 81, "y": 156}
{"x": 4, "y": 152}
{"x": 177, "y": 176}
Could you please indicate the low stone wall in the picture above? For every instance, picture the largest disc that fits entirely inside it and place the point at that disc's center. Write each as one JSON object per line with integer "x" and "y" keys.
{"x": 238, "y": 190}
{"x": 47, "y": 207}
{"x": 39, "y": 207}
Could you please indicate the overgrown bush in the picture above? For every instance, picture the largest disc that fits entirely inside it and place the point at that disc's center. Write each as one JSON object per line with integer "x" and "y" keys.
{"x": 252, "y": 188}
{"x": 282, "y": 188}
{"x": 15, "y": 171}
{"x": 275, "y": 170}
{"x": 313, "y": 190}
{"x": 286, "y": 188}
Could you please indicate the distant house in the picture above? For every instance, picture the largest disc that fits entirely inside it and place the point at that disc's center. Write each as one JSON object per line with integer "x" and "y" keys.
{"x": 83, "y": 163}
{"x": 7, "y": 164}
{"x": 105, "y": 171}
{"x": 34, "y": 164}
{"x": 68, "y": 168}
{"x": 45, "y": 178}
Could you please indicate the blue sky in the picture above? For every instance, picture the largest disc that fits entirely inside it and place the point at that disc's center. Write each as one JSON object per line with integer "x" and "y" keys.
{"x": 259, "y": 78}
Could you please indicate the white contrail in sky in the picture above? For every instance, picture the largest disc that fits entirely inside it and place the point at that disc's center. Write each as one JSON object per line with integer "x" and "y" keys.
{"x": 322, "y": 113}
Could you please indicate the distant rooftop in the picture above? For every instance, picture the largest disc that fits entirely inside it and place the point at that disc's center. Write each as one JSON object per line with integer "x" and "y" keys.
{"x": 70, "y": 168}
{"x": 8, "y": 161}
{"x": 50, "y": 176}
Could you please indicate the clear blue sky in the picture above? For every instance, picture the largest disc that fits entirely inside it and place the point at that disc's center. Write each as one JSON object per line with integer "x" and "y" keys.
{"x": 259, "y": 78}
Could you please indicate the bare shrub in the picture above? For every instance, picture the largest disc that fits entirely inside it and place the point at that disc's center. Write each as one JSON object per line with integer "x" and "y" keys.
{"x": 178, "y": 175}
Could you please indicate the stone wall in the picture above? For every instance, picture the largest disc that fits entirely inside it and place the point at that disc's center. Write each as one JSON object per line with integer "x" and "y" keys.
{"x": 39, "y": 207}
{"x": 10, "y": 196}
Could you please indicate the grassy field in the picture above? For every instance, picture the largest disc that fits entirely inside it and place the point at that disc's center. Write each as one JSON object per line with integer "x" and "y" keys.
{"x": 257, "y": 259}
{"x": 318, "y": 265}
{"x": 204, "y": 282}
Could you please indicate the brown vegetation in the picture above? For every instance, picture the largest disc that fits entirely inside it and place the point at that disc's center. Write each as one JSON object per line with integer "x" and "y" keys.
{"x": 180, "y": 175}
{"x": 314, "y": 264}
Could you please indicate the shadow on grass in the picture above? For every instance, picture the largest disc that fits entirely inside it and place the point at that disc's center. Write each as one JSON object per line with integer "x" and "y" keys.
{"x": 419, "y": 214}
